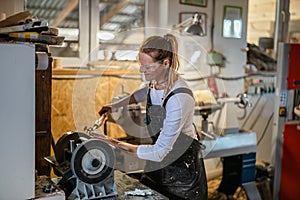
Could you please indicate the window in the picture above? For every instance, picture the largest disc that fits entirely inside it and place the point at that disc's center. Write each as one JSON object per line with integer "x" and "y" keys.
{"x": 92, "y": 29}
{"x": 63, "y": 14}
{"x": 121, "y": 28}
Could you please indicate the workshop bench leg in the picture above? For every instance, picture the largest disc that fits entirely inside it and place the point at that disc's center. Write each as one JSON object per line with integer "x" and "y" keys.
{"x": 238, "y": 171}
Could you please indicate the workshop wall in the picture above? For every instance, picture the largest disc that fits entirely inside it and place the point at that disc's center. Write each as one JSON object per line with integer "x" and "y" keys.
{"x": 76, "y": 100}
{"x": 68, "y": 116}
{"x": 230, "y": 48}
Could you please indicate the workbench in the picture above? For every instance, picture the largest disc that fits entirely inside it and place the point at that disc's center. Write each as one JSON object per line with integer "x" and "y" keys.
{"x": 230, "y": 145}
{"x": 124, "y": 183}
{"x": 238, "y": 151}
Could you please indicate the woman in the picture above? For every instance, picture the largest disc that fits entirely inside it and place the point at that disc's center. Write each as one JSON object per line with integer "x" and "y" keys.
{"x": 174, "y": 162}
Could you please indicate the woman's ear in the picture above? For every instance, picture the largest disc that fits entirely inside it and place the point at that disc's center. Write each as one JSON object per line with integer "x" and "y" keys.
{"x": 166, "y": 62}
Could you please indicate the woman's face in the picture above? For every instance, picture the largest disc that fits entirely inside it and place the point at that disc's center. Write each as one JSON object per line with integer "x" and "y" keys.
{"x": 151, "y": 69}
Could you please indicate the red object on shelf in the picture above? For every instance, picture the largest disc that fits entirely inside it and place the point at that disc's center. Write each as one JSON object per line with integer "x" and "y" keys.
{"x": 212, "y": 85}
{"x": 290, "y": 176}
{"x": 293, "y": 77}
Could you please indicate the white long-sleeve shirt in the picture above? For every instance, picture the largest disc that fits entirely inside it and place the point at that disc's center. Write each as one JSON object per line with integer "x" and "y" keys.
{"x": 179, "y": 118}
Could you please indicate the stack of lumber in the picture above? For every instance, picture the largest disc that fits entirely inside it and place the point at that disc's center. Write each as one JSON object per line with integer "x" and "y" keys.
{"x": 25, "y": 28}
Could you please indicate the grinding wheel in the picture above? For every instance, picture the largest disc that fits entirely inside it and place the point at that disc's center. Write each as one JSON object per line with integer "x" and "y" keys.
{"x": 93, "y": 161}
{"x": 64, "y": 143}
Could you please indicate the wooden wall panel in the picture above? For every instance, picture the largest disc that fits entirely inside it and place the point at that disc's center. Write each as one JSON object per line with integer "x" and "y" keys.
{"x": 77, "y": 100}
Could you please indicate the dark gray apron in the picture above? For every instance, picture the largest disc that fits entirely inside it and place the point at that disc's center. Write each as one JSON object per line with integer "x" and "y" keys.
{"x": 181, "y": 174}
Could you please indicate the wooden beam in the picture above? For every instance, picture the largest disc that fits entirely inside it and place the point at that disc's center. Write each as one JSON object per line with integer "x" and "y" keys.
{"x": 65, "y": 12}
{"x": 87, "y": 72}
{"x": 113, "y": 11}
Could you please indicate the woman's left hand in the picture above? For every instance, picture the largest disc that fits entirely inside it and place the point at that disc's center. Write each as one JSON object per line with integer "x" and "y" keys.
{"x": 104, "y": 138}
{"x": 132, "y": 148}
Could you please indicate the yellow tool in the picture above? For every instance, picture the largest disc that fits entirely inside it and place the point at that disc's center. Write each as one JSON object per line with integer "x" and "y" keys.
{"x": 26, "y": 35}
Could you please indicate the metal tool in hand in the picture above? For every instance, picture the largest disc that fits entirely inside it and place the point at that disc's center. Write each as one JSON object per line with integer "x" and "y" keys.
{"x": 96, "y": 125}
{"x": 91, "y": 132}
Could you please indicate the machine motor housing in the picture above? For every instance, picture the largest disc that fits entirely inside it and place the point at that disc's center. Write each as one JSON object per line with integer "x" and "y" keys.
{"x": 86, "y": 166}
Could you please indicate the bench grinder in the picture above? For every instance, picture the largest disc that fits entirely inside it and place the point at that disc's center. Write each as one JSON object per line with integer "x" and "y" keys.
{"x": 86, "y": 166}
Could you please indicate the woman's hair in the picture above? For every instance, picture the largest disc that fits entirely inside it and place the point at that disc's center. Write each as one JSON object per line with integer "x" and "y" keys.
{"x": 161, "y": 48}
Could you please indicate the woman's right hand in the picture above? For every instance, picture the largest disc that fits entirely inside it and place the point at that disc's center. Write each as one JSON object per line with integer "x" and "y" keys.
{"x": 106, "y": 109}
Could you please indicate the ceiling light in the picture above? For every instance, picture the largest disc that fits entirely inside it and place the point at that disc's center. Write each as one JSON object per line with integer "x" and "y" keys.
{"x": 104, "y": 35}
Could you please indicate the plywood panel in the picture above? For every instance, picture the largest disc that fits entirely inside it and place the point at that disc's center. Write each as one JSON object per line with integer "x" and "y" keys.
{"x": 76, "y": 101}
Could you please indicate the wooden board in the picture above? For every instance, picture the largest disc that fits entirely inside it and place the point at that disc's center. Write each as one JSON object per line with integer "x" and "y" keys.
{"x": 45, "y": 39}
{"x": 17, "y": 19}
{"x": 51, "y": 31}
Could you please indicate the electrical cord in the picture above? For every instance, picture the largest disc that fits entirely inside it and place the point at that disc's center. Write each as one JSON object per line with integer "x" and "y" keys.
{"x": 265, "y": 129}
{"x": 257, "y": 118}
{"x": 242, "y": 77}
{"x": 243, "y": 116}
{"x": 252, "y": 110}
{"x": 217, "y": 75}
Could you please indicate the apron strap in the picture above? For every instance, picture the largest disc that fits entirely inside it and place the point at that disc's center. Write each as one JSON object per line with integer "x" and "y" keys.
{"x": 176, "y": 91}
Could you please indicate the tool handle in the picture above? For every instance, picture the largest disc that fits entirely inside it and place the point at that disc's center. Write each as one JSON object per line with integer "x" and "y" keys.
{"x": 99, "y": 122}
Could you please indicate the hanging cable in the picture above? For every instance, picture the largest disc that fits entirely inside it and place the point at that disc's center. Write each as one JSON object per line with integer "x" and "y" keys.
{"x": 265, "y": 129}
{"x": 212, "y": 26}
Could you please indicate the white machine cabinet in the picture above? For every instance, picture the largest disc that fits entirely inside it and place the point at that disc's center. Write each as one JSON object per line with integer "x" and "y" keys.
{"x": 17, "y": 118}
